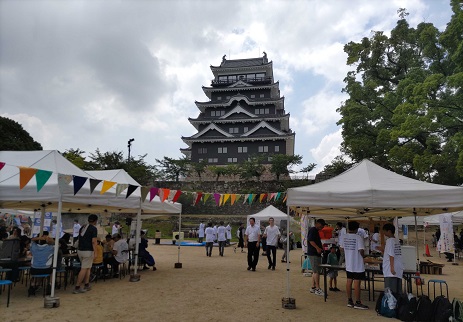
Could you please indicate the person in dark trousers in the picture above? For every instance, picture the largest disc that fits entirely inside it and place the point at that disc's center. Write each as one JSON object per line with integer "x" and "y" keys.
{"x": 252, "y": 242}
{"x": 314, "y": 251}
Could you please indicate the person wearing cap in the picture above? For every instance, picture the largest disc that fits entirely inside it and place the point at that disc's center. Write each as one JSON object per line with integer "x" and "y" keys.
{"x": 86, "y": 250}
{"x": 314, "y": 251}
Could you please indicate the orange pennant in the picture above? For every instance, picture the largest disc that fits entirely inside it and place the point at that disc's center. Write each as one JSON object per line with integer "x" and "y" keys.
{"x": 165, "y": 195}
{"x": 25, "y": 175}
{"x": 233, "y": 199}
{"x": 106, "y": 186}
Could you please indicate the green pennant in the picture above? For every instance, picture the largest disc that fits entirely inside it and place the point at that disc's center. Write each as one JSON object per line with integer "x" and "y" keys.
{"x": 42, "y": 177}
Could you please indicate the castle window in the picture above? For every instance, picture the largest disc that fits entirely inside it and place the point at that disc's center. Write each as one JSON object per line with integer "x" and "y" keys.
{"x": 261, "y": 95}
{"x": 233, "y": 130}
{"x": 245, "y": 129}
{"x": 232, "y": 160}
{"x": 222, "y": 150}
{"x": 253, "y": 96}
{"x": 263, "y": 148}
{"x": 242, "y": 149}
{"x": 202, "y": 150}
{"x": 212, "y": 160}
{"x": 277, "y": 148}
{"x": 219, "y": 98}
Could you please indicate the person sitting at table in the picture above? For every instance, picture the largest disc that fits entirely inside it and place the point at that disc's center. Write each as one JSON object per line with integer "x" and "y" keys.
{"x": 97, "y": 260}
{"x": 120, "y": 253}
{"x": 393, "y": 266}
{"x": 143, "y": 253}
{"x": 42, "y": 249}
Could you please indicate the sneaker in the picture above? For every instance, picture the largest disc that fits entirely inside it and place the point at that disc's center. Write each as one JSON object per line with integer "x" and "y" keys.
{"x": 87, "y": 288}
{"x": 270, "y": 267}
{"x": 319, "y": 292}
{"x": 360, "y": 306}
{"x": 350, "y": 303}
{"x": 273, "y": 268}
{"x": 332, "y": 289}
{"x": 313, "y": 289}
{"x": 336, "y": 289}
{"x": 78, "y": 291}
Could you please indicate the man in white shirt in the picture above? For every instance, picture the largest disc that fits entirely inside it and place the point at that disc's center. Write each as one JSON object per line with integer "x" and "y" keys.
{"x": 210, "y": 236}
{"x": 341, "y": 233}
{"x": 272, "y": 233}
{"x": 229, "y": 233}
{"x": 120, "y": 253}
{"x": 393, "y": 266}
{"x": 201, "y": 232}
{"x": 355, "y": 268}
{"x": 215, "y": 233}
{"x": 221, "y": 237}
{"x": 75, "y": 231}
{"x": 252, "y": 242}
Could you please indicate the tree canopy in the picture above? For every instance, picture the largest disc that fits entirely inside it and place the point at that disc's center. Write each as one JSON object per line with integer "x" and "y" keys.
{"x": 14, "y": 138}
{"x": 405, "y": 105}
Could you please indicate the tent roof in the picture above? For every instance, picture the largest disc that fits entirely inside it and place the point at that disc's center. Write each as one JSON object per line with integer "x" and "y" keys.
{"x": 457, "y": 218}
{"x": 370, "y": 190}
{"x": 28, "y": 198}
{"x": 268, "y": 212}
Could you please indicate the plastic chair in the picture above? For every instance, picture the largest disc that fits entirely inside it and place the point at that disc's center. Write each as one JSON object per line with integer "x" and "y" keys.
{"x": 4, "y": 283}
{"x": 44, "y": 278}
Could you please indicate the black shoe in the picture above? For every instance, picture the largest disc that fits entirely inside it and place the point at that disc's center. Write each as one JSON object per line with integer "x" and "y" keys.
{"x": 253, "y": 269}
{"x": 336, "y": 289}
{"x": 249, "y": 268}
{"x": 145, "y": 267}
{"x": 273, "y": 268}
{"x": 154, "y": 268}
{"x": 270, "y": 266}
{"x": 332, "y": 289}
{"x": 116, "y": 275}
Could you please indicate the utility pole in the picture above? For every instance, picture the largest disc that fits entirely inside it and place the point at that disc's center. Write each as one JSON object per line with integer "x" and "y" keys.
{"x": 129, "y": 144}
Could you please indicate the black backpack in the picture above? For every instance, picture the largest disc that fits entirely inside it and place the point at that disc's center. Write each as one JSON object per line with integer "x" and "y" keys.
{"x": 424, "y": 309}
{"x": 406, "y": 308}
{"x": 442, "y": 309}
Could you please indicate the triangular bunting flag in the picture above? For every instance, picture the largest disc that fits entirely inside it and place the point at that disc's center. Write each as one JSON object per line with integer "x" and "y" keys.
{"x": 106, "y": 186}
{"x": 121, "y": 187}
{"x": 198, "y": 197}
{"x": 278, "y": 196}
{"x": 250, "y": 198}
{"x": 217, "y": 198}
{"x": 171, "y": 194}
{"x": 144, "y": 193}
{"x": 225, "y": 198}
{"x": 270, "y": 196}
{"x": 262, "y": 197}
{"x": 78, "y": 183}
{"x": 25, "y": 175}
{"x": 93, "y": 184}
{"x": 206, "y": 196}
{"x": 130, "y": 190}
{"x": 284, "y": 199}
{"x": 2, "y": 164}
{"x": 41, "y": 177}
{"x": 177, "y": 195}
{"x": 233, "y": 199}
{"x": 63, "y": 181}
{"x": 221, "y": 200}
{"x": 246, "y": 196}
{"x": 153, "y": 193}
{"x": 165, "y": 194}
{"x": 237, "y": 198}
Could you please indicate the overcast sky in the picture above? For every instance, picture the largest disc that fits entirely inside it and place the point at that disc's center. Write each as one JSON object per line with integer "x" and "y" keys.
{"x": 94, "y": 74}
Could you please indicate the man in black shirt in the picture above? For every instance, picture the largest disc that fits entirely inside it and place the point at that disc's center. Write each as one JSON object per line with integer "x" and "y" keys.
{"x": 314, "y": 251}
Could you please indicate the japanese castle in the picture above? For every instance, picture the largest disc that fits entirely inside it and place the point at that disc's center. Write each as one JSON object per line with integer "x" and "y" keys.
{"x": 244, "y": 116}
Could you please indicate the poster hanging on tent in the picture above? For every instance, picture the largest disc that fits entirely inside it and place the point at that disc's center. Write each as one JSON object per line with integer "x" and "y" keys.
{"x": 405, "y": 232}
{"x": 445, "y": 243}
{"x": 47, "y": 221}
{"x": 304, "y": 229}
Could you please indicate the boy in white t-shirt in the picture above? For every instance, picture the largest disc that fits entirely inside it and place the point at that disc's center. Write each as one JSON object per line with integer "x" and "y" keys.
{"x": 393, "y": 266}
{"x": 355, "y": 268}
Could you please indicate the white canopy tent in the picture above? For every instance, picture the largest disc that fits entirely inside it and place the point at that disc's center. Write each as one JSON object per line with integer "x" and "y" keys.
{"x": 268, "y": 212}
{"x": 457, "y": 219}
{"x": 54, "y": 195}
{"x": 369, "y": 190}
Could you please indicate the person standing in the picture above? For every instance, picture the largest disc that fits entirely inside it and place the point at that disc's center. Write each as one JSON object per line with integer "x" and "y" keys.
{"x": 210, "y": 235}
{"x": 341, "y": 233}
{"x": 221, "y": 238}
{"x": 272, "y": 233}
{"x": 229, "y": 233}
{"x": 355, "y": 268}
{"x": 87, "y": 246}
{"x": 314, "y": 251}
{"x": 116, "y": 228}
{"x": 393, "y": 266}
{"x": 252, "y": 242}
{"x": 375, "y": 240}
{"x": 240, "y": 235}
{"x": 75, "y": 231}
{"x": 215, "y": 233}
{"x": 201, "y": 232}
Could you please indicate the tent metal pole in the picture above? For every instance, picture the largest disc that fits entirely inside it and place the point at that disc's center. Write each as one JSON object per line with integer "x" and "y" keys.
{"x": 288, "y": 286}
{"x": 179, "y": 264}
{"x": 42, "y": 219}
{"x": 137, "y": 240}
{"x": 417, "y": 251}
{"x": 55, "y": 253}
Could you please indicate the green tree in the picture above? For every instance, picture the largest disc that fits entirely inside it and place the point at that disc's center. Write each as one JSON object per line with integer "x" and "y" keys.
{"x": 281, "y": 163}
{"x": 308, "y": 168}
{"x": 76, "y": 157}
{"x": 199, "y": 167}
{"x": 232, "y": 171}
{"x": 14, "y": 138}
{"x": 405, "y": 110}
{"x": 173, "y": 169}
{"x": 252, "y": 167}
{"x": 337, "y": 166}
{"x": 218, "y": 171}
{"x": 105, "y": 161}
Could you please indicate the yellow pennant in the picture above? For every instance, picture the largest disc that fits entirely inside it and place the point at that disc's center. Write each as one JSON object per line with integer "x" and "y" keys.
{"x": 106, "y": 186}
